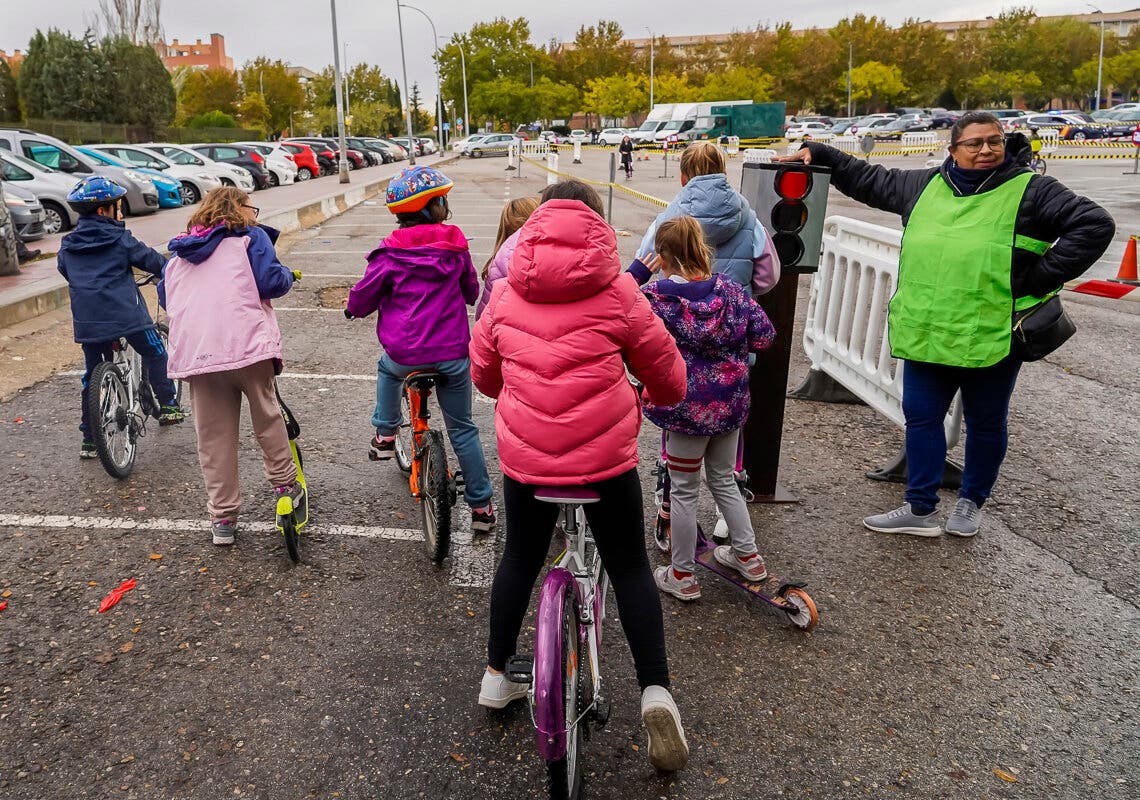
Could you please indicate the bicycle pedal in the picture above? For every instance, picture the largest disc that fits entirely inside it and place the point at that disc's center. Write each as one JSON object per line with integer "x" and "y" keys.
{"x": 520, "y": 669}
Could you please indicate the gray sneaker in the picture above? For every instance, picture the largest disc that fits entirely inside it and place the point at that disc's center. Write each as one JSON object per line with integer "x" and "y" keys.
{"x": 965, "y": 518}
{"x": 224, "y": 530}
{"x": 902, "y": 520}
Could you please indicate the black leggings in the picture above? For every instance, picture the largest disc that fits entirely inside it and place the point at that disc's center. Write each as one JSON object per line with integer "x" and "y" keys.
{"x": 618, "y": 527}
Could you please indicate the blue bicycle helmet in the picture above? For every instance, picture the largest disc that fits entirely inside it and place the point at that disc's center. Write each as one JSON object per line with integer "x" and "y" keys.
{"x": 92, "y": 192}
{"x": 414, "y": 188}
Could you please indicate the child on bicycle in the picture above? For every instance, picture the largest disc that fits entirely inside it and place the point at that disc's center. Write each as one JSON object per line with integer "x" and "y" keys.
{"x": 225, "y": 343}
{"x": 96, "y": 259}
{"x": 515, "y": 213}
{"x": 716, "y": 324}
{"x": 420, "y": 281}
{"x": 552, "y": 347}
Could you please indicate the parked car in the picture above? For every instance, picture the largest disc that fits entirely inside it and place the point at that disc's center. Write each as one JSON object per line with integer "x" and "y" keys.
{"x": 394, "y": 149}
{"x": 304, "y": 158}
{"x": 278, "y": 162}
{"x": 800, "y": 130}
{"x": 1122, "y": 123}
{"x": 332, "y": 150}
{"x": 411, "y": 145}
{"x": 798, "y": 120}
{"x": 464, "y": 146}
{"x": 26, "y": 211}
{"x": 890, "y": 130}
{"x": 375, "y": 152}
{"x": 228, "y": 174}
{"x": 1069, "y": 126}
{"x": 579, "y": 135}
{"x": 429, "y": 145}
{"x": 195, "y": 180}
{"x": 492, "y": 145}
{"x": 141, "y": 197}
{"x": 168, "y": 188}
{"x": 612, "y": 136}
{"x": 249, "y": 160}
{"x": 50, "y": 188}
{"x": 325, "y": 155}
{"x": 940, "y": 118}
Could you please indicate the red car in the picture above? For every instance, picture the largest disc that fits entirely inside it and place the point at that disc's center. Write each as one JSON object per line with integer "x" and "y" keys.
{"x": 305, "y": 159}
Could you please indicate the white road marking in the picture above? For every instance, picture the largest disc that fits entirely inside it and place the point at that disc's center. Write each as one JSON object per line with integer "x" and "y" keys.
{"x": 188, "y": 525}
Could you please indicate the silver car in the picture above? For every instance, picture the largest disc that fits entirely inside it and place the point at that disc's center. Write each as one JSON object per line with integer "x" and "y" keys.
{"x": 196, "y": 181}
{"x": 50, "y": 188}
{"x": 141, "y": 197}
{"x": 494, "y": 144}
{"x": 230, "y": 175}
{"x": 27, "y": 213}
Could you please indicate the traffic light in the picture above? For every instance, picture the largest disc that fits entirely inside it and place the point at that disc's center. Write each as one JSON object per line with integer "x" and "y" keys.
{"x": 790, "y": 200}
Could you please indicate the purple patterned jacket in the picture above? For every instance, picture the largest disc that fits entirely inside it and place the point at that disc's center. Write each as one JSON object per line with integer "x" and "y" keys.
{"x": 716, "y": 324}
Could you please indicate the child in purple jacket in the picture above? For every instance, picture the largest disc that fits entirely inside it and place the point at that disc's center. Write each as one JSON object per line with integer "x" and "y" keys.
{"x": 420, "y": 281}
{"x": 716, "y": 324}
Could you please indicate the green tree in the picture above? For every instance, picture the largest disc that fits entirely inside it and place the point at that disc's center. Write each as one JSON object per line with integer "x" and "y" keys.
{"x": 738, "y": 83}
{"x": 143, "y": 92}
{"x": 499, "y": 101}
{"x": 252, "y": 112}
{"x": 1002, "y": 88}
{"x": 598, "y": 51}
{"x": 617, "y": 96}
{"x": 1123, "y": 72}
{"x": 209, "y": 90}
{"x": 9, "y": 94}
{"x": 66, "y": 78}
{"x": 876, "y": 83}
{"x": 494, "y": 50}
{"x": 212, "y": 119}
{"x": 550, "y": 100}
{"x": 670, "y": 88}
{"x": 283, "y": 91}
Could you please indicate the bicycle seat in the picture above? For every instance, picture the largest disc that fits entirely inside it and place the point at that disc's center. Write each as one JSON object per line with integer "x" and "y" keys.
{"x": 425, "y": 379}
{"x": 578, "y": 495}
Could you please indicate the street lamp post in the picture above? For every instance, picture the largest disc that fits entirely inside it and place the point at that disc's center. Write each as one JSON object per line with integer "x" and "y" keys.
{"x": 407, "y": 98}
{"x": 463, "y": 68}
{"x": 347, "y": 101}
{"x": 343, "y": 166}
{"x": 1100, "y": 58}
{"x": 651, "y": 38}
{"x": 849, "y": 53}
{"x": 438, "y": 96}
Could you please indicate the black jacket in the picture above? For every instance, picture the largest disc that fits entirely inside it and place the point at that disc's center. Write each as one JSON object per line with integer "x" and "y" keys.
{"x": 1079, "y": 229}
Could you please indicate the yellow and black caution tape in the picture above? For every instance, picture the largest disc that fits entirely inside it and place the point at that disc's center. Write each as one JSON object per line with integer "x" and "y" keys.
{"x": 1088, "y": 156}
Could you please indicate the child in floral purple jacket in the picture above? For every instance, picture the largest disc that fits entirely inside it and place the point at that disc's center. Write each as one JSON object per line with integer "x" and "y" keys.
{"x": 716, "y": 324}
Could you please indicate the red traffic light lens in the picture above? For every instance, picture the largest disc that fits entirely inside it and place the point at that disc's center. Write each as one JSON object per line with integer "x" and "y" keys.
{"x": 789, "y": 216}
{"x": 793, "y": 184}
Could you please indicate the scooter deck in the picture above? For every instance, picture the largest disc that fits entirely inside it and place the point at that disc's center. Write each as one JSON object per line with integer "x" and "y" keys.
{"x": 767, "y": 590}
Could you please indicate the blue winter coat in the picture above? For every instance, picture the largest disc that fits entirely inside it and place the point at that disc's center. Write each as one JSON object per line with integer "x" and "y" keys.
{"x": 96, "y": 260}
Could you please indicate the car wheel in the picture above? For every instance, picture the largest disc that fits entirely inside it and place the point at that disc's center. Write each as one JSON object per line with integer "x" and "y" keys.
{"x": 55, "y": 220}
{"x": 476, "y": 153}
{"x": 273, "y": 179}
{"x": 304, "y": 173}
{"x": 227, "y": 182}
{"x": 189, "y": 194}
{"x": 1079, "y": 136}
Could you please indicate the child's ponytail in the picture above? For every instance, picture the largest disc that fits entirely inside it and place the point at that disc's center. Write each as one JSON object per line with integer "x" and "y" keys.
{"x": 681, "y": 242}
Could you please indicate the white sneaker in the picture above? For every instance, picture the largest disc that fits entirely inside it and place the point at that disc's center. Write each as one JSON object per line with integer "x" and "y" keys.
{"x": 685, "y": 588}
{"x": 720, "y": 532}
{"x": 668, "y": 749}
{"x": 497, "y": 692}
{"x": 751, "y": 567}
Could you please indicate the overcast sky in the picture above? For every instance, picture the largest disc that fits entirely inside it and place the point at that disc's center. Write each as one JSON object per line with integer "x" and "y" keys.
{"x": 300, "y": 32}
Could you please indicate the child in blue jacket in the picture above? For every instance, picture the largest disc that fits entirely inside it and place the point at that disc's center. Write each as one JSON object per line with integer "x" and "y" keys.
{"x": 96, "y": 259}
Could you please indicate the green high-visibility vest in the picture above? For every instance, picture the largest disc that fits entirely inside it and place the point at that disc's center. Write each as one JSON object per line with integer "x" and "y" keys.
{"x": 954, "y": 303}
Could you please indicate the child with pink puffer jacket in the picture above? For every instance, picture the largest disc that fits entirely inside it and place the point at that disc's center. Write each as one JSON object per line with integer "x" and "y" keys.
{"x": 552, "y": 347}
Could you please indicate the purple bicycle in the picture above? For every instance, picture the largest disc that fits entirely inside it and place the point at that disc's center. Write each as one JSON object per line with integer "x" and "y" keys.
{"x": 565, "y": 693}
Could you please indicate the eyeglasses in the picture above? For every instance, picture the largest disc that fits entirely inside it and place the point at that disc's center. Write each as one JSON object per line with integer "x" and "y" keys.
{"x": 256, "y": 210}
{"x": 974, "y": 145}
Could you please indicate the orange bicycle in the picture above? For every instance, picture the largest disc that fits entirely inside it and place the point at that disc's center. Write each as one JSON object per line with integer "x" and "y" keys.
{"x": 421, "y": 455}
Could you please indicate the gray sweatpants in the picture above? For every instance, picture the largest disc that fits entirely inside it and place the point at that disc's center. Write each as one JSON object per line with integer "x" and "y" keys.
{"x": 684, "y": 455}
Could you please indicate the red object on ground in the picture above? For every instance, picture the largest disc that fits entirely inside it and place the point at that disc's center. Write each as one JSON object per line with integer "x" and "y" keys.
{"x": 111, "y": 600}
{"x": 1104, "y": 289}
{"x": 3, "y": 605}
{"x": 1127, "y": 271}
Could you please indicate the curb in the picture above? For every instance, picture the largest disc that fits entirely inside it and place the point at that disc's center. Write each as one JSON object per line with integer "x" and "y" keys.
{"x": 50, "y": 294}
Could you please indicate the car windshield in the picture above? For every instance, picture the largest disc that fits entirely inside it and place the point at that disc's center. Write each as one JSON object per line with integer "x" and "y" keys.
{"x": 649, "y": 126}
{"x": 182, "y": 157}
{"x": 27, "y": 162}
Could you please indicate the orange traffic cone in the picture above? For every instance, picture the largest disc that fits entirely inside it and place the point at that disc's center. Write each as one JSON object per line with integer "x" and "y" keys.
{"x": 1127, "y": 271}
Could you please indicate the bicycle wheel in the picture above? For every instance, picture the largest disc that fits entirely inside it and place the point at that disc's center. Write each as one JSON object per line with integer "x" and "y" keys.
{"x": 435, "y": 497}
{"x": 292, "y": 542}
{"x": 109, "y": 415}
{"x": 1039, "y": 165}
{"x": 164, "y": 335}
{"x": 564, "y": 776}
{"x": 405, "y": 451}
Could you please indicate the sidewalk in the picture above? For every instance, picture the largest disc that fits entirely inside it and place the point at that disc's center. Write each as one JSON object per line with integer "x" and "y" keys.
{"x": 39, "y": 288}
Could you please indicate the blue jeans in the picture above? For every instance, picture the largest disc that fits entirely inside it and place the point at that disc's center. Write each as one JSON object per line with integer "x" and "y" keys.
{"x": 928, "y": 390}
{"x": 148, "y": 345}
{"x": 454, "y": 398}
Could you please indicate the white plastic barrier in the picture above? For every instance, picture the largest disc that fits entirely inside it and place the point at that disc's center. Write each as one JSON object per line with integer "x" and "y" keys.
{"x": 552, "y": 164}
{"x": 758, "y": 155}
{"x": 513, "y": 161}
{"x": 1050, "y": 140}
{"x": 732, "y": 146}
{"x": 536, "y": 148}
{"x": 845, "y": 334}
{"x": 846, "y": 143}
{"x": 923, "y": 139}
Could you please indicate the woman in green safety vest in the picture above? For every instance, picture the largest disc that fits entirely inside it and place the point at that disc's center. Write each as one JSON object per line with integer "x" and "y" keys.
{"x": 983, "y": 237}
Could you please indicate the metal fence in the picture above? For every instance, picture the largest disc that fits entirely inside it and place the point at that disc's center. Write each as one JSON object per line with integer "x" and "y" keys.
{"x": 97, "y": 132}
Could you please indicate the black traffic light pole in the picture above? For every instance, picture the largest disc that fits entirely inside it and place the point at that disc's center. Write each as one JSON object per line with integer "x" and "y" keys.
{"x": 795, "y": 223}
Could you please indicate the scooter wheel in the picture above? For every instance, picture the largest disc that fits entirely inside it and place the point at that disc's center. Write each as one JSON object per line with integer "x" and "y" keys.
{"x": 805, "y": 616}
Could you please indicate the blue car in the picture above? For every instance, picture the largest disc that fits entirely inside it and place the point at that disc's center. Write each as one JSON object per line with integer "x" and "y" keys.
{"x": 169, "y": 195}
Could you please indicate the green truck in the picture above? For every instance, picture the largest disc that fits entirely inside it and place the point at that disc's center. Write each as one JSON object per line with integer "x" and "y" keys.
{"x": 748, "y": 121}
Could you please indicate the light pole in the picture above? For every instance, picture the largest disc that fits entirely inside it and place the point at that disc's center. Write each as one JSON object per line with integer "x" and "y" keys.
{"x": 347, "y": 102}
{"x": 463, "y": 67}
{"x": 407, "y": 98}
{"x": 651, "y": 38}
{"x": 849, "y": 51}
{"x": 438, "y": 96}
{"x": 1100, "y": 58}
{"x": 343, "y": 166}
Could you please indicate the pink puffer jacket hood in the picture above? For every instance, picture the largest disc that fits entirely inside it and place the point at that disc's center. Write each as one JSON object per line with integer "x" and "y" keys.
{"x": 553, "y": 346}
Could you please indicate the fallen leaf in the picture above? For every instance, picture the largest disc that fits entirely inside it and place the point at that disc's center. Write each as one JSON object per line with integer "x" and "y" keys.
{"x": 126, "y": 648}
{"x": 721, "y": 781}
{"x": 92, "y": 583}
{"x": 457, "y": 757}
{"x": 1005, "y": 776}
{"x": 105, "y": 658}
{"x": 636, "y": 747}
{"x": 156, "y": 556}
{"x": 6, "y": 593}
